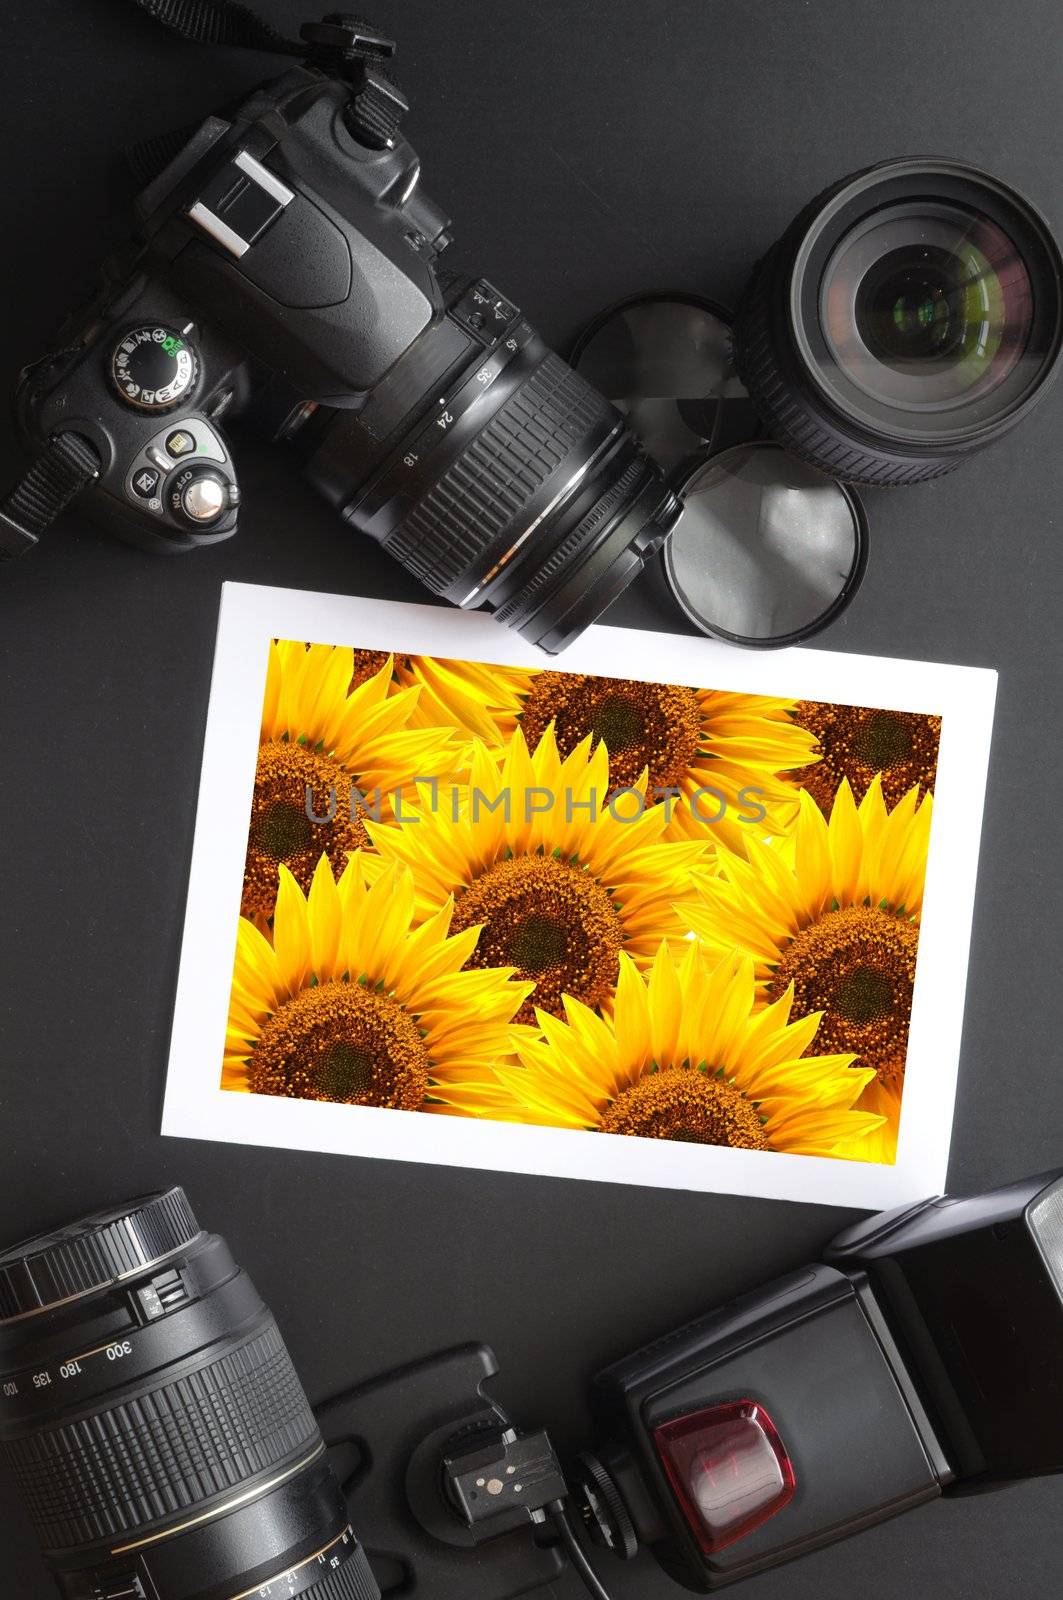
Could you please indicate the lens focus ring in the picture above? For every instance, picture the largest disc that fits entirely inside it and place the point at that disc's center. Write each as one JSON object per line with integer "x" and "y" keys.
{"x": 153, "y": 1456}
{"x": 486, "y": 492}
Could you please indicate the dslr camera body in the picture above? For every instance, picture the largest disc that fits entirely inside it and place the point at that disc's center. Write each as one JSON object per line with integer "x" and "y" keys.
{"x": 286, "y": 263}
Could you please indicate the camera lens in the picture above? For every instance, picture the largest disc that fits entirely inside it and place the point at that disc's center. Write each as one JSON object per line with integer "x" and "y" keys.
{"x": 158, "y": 1434}
{"x": 908, "y": 317}
{"x": 495, "y": 474}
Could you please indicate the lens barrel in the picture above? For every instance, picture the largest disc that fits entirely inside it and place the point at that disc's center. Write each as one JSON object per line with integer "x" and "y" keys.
{"x": 507, "y": 481}
{"x": 909, "y": 316}
{"x": 157, "y": 1431}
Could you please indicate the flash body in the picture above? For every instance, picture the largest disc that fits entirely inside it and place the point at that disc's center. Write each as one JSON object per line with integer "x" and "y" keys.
{"x": 919, "y": 1359}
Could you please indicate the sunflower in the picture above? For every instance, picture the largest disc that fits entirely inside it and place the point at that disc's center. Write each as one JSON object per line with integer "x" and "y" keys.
{"x": 475, "y": 699}
{"x": 713, "y": 758}
{"x": 858, "y": 742}
{"x": 317, "y": 742}
{"x": 559, "y": 871}
{"x": 834, "y": 917}
{"x": 686, "y": 1055}
{"x": 352, "y": 1004}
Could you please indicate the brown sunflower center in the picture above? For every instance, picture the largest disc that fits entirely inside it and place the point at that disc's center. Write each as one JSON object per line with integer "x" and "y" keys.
{"x": 654, "y": 726}
{"x": 857, "y": 742}
{"x": 856, "y": 965}
{"x": 553, "y": 922}
{"x": 688, "y": 1104}
{"x": 342, "y": 1042}
{"x": 289, "y": 779}
{"x": 882, "y": 739}
{"x": 367, "y": 663}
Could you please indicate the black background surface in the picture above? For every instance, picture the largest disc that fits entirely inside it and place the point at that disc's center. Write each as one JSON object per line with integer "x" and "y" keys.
{"x": 588, "y": 151}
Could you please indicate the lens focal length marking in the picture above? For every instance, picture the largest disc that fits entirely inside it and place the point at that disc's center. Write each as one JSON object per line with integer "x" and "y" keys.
{"x": 52, "y": 1379}
{"x": 294, "y": 1580}
{"x": 406, "y": 477}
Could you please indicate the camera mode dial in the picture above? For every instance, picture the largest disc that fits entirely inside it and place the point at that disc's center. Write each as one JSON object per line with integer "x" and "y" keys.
{"x": 154, "y": 367}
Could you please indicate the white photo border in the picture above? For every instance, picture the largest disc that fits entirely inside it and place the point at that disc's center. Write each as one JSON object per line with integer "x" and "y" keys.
{"x": 197, "y": 1107}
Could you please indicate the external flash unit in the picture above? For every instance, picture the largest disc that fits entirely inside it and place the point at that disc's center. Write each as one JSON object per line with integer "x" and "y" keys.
{"x": 922, "y": 1357}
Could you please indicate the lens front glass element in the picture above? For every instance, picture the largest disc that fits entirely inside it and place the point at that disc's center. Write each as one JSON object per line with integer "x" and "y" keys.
{"x": 927, "y": 306}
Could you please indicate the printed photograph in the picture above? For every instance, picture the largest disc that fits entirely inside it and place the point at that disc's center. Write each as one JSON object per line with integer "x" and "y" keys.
{"x": 574, "y": 901}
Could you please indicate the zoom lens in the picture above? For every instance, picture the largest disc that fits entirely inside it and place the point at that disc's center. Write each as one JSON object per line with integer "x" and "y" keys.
{"x": 494, "y": 473}
{"x": 158, "y": 1434}
{"x": 909, "y": 316}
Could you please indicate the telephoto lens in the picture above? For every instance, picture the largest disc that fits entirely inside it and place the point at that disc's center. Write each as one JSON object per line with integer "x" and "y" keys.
{"x": 909, "y": 316}
{"x": 158, "y": 1434}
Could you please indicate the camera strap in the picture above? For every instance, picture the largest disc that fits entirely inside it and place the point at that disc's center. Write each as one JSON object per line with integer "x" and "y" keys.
{"x": 61, "y": 471}
{"x": 342, "y": 44}
{"x": 220, "y": 22}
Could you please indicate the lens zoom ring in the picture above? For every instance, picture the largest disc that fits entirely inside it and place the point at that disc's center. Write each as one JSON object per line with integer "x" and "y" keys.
{"x": 790, "y": 421}
{"x": 486, "y": 489}
{"x": 164, "y": 1451}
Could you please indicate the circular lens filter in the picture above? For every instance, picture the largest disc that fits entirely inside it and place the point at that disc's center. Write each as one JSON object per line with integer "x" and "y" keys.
{"x": 767, "y": 551}
{"x": 665, "y": 362}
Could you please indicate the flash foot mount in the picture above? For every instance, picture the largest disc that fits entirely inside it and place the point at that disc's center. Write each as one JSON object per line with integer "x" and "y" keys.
{"x": 452, "y": 1497}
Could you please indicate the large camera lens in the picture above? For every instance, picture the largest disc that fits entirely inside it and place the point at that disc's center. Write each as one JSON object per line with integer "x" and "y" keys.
{"x": 908, "y": 317}
{"x": 159, "y": 1436}
{"x": 494, "y": 473}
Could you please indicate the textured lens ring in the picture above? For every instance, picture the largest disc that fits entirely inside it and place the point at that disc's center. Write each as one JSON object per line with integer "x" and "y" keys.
{"x": 520, "y": 603}
{"x": 54, "y": 1268}
{"x": 154, "y": 1457}
{"x": 486, "y": 495}
{"x": 353, "y": 1580}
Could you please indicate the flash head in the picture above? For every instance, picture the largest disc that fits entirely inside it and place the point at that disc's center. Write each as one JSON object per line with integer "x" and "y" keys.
{"x": 920, "y": 1358}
